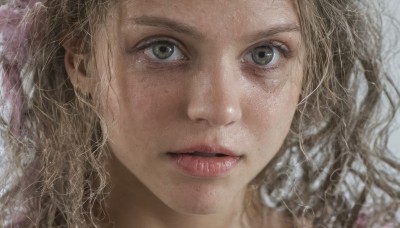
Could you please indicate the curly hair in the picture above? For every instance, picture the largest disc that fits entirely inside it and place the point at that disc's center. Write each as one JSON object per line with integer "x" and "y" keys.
{"x": 337, "y": 153}
{"x": 333, "y": 164}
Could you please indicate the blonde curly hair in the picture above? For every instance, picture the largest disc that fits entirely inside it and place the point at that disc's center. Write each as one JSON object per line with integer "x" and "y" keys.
{"x": 334, "y": 161}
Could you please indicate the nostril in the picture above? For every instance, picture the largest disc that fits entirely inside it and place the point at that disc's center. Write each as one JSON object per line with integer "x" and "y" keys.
{"x": 215, "y": 115}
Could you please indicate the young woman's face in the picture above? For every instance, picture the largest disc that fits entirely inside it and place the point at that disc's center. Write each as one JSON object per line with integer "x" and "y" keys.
{"x": 201, "y": 94}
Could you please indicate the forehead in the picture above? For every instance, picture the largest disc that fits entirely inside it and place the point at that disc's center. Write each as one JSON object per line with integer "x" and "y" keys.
{"x": 214, "y": 17}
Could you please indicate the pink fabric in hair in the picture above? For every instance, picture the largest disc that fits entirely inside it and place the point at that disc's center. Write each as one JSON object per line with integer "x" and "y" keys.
{"x": 362, "y": 221}
{"x": 15, "y": 33}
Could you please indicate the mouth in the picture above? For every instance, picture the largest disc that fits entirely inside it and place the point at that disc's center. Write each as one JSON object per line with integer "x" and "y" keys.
{"x": 206, "y": 151}
{"x": 205, "y": 161}
{"x": 199, "y": 154}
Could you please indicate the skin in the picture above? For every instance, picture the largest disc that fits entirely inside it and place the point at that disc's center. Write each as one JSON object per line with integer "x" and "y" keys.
{"x": 213, "y": 93}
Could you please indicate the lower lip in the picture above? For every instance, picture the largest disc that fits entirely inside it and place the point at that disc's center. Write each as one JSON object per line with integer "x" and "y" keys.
{"x": 205, "y": 166}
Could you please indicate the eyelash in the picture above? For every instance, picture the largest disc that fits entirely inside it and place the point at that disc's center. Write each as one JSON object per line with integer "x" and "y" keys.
{"x": 145, "y": 48}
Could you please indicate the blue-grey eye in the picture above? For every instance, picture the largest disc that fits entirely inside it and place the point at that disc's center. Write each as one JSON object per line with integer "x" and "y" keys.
{"x": 263, "y": 55}
{"x": 163, "y": 50}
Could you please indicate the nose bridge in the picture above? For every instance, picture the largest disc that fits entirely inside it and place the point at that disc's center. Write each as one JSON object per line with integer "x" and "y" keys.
{"x": 215, "y": 94}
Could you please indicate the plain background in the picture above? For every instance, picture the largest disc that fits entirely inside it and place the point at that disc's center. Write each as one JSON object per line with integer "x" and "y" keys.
{"x": 393, "y": 8}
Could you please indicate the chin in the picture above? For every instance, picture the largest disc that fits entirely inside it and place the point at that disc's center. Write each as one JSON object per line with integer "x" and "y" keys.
{"x": 197, "y": 208}
{"x": 199, "y": 201}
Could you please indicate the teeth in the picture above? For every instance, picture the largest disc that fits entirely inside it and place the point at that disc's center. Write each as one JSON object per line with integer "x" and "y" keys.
{"x": 202, "y": 154}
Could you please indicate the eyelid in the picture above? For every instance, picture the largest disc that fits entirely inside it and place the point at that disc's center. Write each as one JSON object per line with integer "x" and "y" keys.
{"x": 146, "y": 43}
{"x": 284, "y": 50}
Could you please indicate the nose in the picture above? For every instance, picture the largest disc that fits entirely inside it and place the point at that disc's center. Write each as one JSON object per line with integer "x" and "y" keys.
{"x": 215, "y": 96}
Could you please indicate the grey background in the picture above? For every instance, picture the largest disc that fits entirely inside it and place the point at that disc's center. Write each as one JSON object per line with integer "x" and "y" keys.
{"x": 392, "y": 7}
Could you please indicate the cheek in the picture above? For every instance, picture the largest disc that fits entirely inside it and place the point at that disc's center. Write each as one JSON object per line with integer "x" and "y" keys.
{"x": 143, "y": 106}
{"x": 270, "y": 113}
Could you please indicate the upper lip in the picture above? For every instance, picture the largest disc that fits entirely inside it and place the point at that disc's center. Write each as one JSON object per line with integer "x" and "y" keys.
{"x": 205, "y": 148}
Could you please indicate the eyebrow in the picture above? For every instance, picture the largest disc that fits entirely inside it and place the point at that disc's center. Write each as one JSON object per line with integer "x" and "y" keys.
{"x": 167, "y": 24}
{"x": 179, "y": 27}
{"x": 280, "y": 28}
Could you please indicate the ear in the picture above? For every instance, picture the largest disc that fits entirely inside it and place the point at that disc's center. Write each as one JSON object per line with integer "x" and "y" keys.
{"x": 76, "y": 66}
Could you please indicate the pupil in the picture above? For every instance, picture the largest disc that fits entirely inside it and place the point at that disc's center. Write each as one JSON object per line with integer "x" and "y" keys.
{"x": 163, "y": 50}
{"x": 263, "y": 55}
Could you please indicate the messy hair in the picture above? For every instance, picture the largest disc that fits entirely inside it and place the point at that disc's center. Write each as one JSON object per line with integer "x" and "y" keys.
{"x": 333, "y": 164}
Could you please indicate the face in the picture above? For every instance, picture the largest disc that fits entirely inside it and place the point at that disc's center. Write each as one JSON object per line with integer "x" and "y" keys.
{"x": 201, "y": 94}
